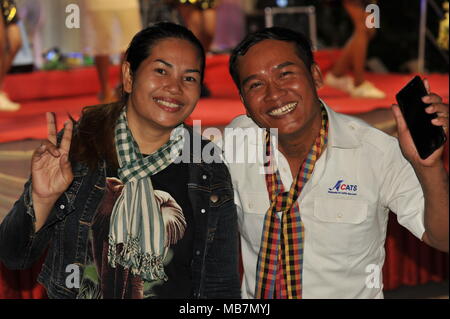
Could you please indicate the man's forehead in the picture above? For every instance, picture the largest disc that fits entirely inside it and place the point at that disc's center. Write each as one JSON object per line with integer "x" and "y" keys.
{"x": 271, "y": 46}
{"x": 273, "y": 54}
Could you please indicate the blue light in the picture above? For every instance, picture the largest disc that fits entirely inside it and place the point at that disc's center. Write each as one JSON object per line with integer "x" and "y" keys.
{"x": 282, "y": 3}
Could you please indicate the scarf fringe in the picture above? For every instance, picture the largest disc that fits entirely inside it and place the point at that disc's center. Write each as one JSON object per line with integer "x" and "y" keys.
{"x": 148, "y": 266}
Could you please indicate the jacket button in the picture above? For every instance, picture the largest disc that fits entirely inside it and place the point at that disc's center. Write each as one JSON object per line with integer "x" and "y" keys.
{"x": 62, "y": 206}
{"x": 197, "y": 252}
{"x": 202, "y": 211}
{"x": 204, "y": 177}
{"x": 214, "y": 198}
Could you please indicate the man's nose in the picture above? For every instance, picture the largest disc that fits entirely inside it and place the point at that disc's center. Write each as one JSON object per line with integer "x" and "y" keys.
{"x": 274, "y": 91}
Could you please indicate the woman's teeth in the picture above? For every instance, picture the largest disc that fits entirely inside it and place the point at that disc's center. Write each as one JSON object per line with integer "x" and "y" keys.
{"x": 284, "y": 109}
{"x": 168, "y": 104}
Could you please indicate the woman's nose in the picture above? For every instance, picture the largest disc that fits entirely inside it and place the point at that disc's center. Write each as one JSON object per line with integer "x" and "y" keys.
{"x": 174, "y": 86}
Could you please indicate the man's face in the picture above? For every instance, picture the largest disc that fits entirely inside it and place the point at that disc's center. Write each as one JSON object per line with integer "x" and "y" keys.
{"x": 277, "y": 88}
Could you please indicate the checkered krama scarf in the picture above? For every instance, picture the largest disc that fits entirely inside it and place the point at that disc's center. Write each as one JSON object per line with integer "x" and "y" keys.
{"x": 136, "y": 220}
{"x": 280, "y": 259}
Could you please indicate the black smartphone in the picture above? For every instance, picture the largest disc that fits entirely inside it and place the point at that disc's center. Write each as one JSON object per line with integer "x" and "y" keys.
{"x": 426, "y": 136}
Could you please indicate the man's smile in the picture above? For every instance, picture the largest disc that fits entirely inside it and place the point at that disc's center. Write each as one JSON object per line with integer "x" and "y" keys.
{"x": 283, "y": 110}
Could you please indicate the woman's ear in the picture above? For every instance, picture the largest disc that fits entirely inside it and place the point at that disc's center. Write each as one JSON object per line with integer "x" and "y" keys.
{"x": 316, "y": 74}
{"x": 127, "y": 78}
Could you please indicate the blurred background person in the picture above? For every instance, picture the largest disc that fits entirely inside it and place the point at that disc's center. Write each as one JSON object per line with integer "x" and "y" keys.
{"x": 10, "y": 43}
{"x": 353, "y": 56}
{"x": 200, "y": 17}
{"x": 231, "y": 26}
{"x": 110, "y": 25}
{"x": 153, "y": 11}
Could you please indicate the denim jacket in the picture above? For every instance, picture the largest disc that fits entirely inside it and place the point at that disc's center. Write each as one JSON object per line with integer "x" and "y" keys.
{"x": 215, "y": 271}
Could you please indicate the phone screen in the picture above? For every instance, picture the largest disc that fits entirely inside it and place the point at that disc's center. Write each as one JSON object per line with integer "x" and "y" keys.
{"x": 426, "y": 136}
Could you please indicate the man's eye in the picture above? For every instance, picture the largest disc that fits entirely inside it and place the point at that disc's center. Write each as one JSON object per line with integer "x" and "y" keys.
{"x": 285, "y": 73}
{"x": 160, "y": 71}
{"x": 254, "y": 85}
{"x": 190, "y": 79}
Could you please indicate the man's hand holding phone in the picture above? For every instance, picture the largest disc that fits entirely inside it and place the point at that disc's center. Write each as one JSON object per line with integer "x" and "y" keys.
{"x": 407, "y": 144}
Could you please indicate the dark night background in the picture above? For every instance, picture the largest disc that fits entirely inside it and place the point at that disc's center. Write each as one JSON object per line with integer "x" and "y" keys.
{"x": 396, "y": 41}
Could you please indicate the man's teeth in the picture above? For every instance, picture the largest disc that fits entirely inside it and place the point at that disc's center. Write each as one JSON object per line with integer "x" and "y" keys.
{"x": 284, "y": 109}
{"x": 168, "y": 104}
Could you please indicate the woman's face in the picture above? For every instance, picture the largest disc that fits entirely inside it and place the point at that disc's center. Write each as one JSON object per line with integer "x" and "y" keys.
{"x": 166, "y": 86}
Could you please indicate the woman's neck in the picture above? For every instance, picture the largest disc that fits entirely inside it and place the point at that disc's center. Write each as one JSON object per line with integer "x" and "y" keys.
{"x": 148, "y": 137}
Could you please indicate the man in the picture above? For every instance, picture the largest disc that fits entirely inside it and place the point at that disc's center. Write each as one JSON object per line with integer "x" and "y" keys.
{"x": 315, "y": 226}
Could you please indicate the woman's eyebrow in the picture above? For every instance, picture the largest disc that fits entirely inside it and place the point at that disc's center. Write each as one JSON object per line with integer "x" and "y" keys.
{"x": 164, "y": 62}
{"x": 171, "y": 66}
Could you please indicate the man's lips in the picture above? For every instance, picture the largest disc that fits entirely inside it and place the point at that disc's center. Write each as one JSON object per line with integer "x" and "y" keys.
{"x": 168, "y": 104}
{"x": 283, "y": 110}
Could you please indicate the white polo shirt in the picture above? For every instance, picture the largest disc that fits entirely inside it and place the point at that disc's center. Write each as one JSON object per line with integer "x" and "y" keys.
{"x": 344, "y": 207}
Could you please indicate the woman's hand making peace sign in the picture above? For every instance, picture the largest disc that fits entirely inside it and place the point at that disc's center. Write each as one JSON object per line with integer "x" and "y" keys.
{"x": 51, "y": 171}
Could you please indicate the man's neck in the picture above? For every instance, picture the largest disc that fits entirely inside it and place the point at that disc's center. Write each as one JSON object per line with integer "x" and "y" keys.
{"x": 295, "y": 147}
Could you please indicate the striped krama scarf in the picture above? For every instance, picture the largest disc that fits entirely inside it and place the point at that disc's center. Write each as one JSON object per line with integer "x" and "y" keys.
{"x": 280, "y": 259}
{"x": 136, "y": 220}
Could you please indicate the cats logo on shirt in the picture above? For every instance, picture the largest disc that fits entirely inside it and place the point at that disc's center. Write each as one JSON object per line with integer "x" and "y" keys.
{"x": 342, "y": 188}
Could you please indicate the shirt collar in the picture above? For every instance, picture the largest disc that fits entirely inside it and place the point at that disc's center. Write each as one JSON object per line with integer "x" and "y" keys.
{"x": 342, "y": 132}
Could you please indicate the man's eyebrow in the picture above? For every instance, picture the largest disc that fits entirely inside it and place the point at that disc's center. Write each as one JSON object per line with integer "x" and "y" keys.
{"x": 284, "y": 64}
{"x": 279, "y": 66}
{"x": 247, "y": 79}
{"x": 192, "y": 71}
{"x": 171, "y": 66}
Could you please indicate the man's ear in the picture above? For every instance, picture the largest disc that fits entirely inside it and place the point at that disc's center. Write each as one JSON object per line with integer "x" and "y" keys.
{"x": 243, "y": 102}
{"x": 317, "y": 76}
{"x": 127, "y": 78}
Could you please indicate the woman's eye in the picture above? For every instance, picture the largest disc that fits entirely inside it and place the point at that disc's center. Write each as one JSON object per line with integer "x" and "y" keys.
{"x": 160, "y": 71}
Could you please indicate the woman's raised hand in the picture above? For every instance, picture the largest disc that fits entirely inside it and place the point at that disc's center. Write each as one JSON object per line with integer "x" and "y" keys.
{"x": 51, "y": 171}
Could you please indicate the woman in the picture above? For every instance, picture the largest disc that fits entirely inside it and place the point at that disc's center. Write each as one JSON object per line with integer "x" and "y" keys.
{"x": 10, "y": 43}
{"x": 110, "y": 25}
{"x": 353, "y": 56}
{"x": 134, "y": 225}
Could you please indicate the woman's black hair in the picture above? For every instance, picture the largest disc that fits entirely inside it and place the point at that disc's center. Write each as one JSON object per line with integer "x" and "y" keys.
{"x": 300, "y": 41}
{"x": 142, "y": 43}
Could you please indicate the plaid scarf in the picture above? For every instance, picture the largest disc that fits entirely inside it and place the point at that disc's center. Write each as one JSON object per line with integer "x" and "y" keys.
{"x": 280, "y": 259}
{"x": 136, "y": 220}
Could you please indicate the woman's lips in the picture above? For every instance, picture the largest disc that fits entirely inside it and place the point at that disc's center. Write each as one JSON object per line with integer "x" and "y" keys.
{"x": 167, "y": 104}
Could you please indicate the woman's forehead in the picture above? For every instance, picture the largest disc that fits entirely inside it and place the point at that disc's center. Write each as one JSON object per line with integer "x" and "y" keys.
{"x": 174, "y": 51}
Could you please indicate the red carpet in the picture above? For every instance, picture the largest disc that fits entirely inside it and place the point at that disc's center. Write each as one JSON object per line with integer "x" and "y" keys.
{"x": 66, "y": 92}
